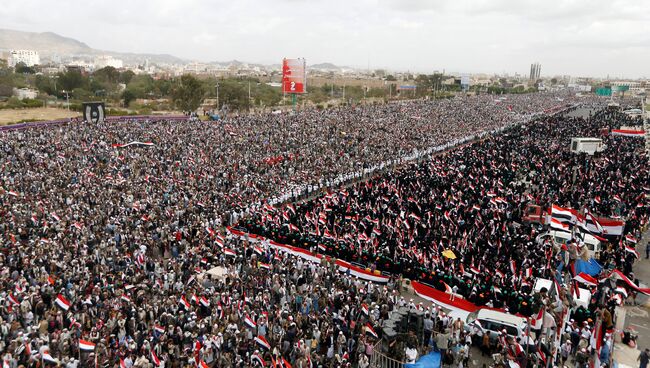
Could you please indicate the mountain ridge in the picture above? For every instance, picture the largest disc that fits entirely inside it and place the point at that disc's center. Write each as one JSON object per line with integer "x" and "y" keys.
{"x": 49, "y": 44}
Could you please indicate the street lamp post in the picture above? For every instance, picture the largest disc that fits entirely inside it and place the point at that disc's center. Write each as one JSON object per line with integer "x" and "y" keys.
{"x": 217, "y": 86}
{"x": 67, "y": 99}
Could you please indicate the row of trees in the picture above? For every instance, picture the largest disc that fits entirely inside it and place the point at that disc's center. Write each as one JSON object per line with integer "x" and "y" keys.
{"x": 188, "y": 92}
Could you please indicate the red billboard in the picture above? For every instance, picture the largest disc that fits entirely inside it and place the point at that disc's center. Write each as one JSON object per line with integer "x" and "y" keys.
{"x": 294, "y": 76}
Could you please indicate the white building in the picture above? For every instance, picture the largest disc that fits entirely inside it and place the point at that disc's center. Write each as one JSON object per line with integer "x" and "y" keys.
{"x": 28, "y": 57}
{"x": 106, "y": 60}
{"x": 23, "y": 93}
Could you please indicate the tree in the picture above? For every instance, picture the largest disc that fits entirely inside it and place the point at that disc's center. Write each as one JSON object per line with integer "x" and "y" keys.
{"x": 125, "y": 77}
{"x": 71, "y": 79}
{"x": 107, "y": 74}
{"x": 141, "y": 86}
{"x": 188, "y": 93}
{"x": 391, "y": 78}
{"x": 127, "y": 97}
{"x": 21, "y": 68}
{"x": 44, "y": 84}
{"x": 234, "y": 94}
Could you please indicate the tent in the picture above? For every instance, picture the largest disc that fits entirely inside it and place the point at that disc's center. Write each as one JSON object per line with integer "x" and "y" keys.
{"x": 591, "y": 267}
{"x": 431, "y": 360}
{"x": 219, "y": 273}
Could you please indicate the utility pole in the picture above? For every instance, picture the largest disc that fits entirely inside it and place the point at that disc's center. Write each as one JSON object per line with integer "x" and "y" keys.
{"x": 217, "y": 87}
{"x": 67, "y": 99}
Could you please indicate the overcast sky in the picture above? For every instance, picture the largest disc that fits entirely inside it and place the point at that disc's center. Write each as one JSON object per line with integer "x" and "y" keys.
{"x": 575, "y": 37}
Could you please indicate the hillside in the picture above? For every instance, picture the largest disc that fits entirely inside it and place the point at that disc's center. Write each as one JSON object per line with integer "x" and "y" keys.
{"x": 49, "y": 43}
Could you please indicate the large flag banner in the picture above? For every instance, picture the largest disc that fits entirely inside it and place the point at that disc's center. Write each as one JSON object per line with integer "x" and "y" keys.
{"x": 62, "y": 302}
{"x": 86, "y": 345}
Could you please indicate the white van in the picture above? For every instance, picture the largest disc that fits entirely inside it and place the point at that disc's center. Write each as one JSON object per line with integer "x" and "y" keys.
{"x": 560, "y": 237}
{"x": 493, "y": 322}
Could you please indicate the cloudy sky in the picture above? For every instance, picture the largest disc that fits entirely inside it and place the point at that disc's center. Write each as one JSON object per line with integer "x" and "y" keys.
{"x": 575, "y": 37}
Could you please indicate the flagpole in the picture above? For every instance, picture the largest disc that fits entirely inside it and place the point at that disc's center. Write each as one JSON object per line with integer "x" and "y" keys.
{"x": 527, "y": 337}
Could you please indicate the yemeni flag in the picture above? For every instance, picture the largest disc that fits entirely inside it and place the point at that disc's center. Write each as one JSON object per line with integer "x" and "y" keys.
{"x": 564, "y": 215}
{"x": 536, "y": 322}
{"x": 371, "y": 331}
{"x": 62, "y": 302}
{"x": 229, "y": 252}
{"x": 586, "y": 279}
{"x": 632, "y": 250}
{"x": 154, "y": 359}
{"x": 265, "y": 266}
{"x": 220, "y": 311}
{"x": 628, "y": 133}
{"x": 204, "y": 302}
{"x": 48, "y": 358}
{"x": 250, "y": 323}
{"x": 184, "y": 303}
{"x": 126, "y": 298}
{"x": 159, "y": 329}
{"x": 540, "y": 354}
{"x": 528, "y": 272}
{"x": 630, "y": 239}
{"x": 86, "y": 345}
{"x": 257, "y": 359}
{"x": 13, "y": 299}
{"x": 261, "y": 342}
{"x": 513, "y": 267}
{"x": 364, "y": 308}
{"x": 134, "y": 143}
{"x": 557, "y": 224}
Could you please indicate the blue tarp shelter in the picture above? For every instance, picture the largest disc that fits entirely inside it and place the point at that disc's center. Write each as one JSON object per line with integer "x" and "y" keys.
{"x": 591, "y": 267}
{"x": 431, "y": 360}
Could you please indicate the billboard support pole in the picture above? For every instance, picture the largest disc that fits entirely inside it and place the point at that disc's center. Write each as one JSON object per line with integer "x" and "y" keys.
{"x": 293, "y": 100}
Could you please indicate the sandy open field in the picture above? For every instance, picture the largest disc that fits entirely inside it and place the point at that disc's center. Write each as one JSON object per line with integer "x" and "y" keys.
{"x": 8, "y": 116}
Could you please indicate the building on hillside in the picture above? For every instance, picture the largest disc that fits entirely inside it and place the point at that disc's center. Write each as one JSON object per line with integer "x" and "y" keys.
{"x": 107, "y": 60}
{"x": 27, "y": 57}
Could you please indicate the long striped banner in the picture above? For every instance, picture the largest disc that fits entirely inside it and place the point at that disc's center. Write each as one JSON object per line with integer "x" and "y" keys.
{"x": 343, "y": 266}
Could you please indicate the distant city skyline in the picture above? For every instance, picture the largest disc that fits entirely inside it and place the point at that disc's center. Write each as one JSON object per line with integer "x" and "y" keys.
{"x": 593, "y": 38}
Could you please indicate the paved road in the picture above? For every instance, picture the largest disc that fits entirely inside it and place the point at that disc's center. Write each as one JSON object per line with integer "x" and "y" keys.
{"x": 637, "y": 316}
{"x": 582, "y": 112}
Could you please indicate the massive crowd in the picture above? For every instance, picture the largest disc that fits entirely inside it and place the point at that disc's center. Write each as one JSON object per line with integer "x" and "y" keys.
{"x": 472, "y": 201}
{"x": 109, "y": 245}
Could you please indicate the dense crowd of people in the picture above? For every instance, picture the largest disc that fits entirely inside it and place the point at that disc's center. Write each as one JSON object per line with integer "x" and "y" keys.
{"x": 106, "y": 246}
{"x": 472, "y": 201}
{"x": 245, "y": 160}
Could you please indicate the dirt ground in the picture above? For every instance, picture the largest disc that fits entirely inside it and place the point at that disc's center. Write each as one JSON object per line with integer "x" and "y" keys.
{"x": 8, "y": 116}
